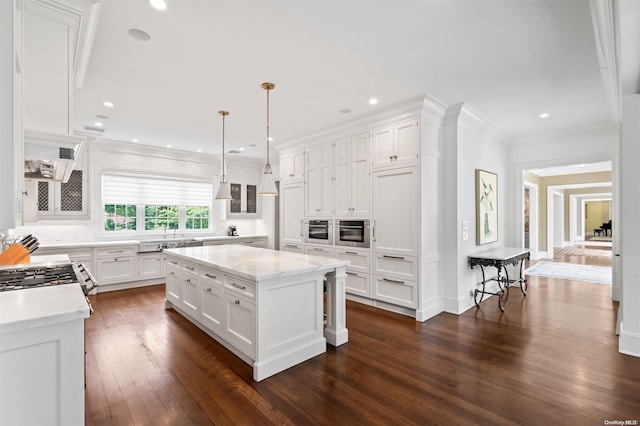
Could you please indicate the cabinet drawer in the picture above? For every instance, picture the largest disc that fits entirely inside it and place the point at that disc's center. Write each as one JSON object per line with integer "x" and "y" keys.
{"x": 319, "y": 251}
{"x": 398, "y": 292}
{"x": 260, "y": 243}
{"x": 402, "y": 267}
{"x": 190, "y": 268}
{"x": 358, "y": 284}
{"x": 359, "y": 261}
{"x": 292, "y": 248}
{"x": 240, "y": 287}
{"x": 115, "y": 269}
{"x": 116, "y": 251}
{"x": 211, "y": 278}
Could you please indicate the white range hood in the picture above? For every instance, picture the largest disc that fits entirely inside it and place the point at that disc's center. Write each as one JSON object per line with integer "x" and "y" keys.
{"x": 50, "y": 156}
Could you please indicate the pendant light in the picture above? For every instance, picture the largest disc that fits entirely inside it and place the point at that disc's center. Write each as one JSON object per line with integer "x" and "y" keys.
{"x": 267, "y": 184}
{"x": 223, "y": 191}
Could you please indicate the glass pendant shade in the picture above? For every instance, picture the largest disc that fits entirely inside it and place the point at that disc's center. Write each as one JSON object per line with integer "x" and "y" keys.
{"x": 224, "y": 192}
{"x": 267, "y": 185}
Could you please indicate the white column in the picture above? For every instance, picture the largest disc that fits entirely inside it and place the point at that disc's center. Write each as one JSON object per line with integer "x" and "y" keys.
{"x": 336, "y": 331}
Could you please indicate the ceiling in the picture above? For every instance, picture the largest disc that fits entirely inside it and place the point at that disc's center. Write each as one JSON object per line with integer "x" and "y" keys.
{"x": 510, "y": 60}
{"x": 576, "y": 169}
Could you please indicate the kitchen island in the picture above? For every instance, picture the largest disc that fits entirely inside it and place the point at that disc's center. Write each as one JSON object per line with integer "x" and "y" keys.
{"x": 265, "y": 306}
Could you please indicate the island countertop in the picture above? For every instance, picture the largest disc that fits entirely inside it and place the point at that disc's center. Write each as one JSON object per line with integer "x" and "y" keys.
{"x": 256, "y": 264}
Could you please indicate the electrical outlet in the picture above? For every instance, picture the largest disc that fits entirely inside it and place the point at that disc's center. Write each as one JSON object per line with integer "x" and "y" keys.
{"x": 471, "y": 293}
{"x": 465, "y": 236}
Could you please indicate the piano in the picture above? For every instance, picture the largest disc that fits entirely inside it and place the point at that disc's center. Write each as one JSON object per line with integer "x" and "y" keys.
{"x": 606, "y": 227}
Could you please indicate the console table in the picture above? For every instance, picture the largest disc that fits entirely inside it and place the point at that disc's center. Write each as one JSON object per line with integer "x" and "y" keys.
{"x": 500, "y": 258}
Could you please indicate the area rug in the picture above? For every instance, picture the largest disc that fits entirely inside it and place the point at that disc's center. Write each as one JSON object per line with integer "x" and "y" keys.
{"x": 578, "y": 251}
{"x": 571, "y": 271}
{"x": 600, "y": 239}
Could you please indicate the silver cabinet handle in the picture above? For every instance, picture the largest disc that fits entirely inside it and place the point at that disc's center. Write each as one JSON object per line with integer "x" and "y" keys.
{"x": 291, "y": 245}
{"x": 391, "y": 158}
{"x": 350, "y": 252}
{"x": 386, "y": 256}
{"x": 301, "y": 227}
{"x": 116, "y": 251}
{"x": 317, "y": 249}
{"x": 210, "y": 276}
{"x": 172, "y": 273}
{"x": 352, "y": 273}
{"x": 395, "y": 157}
{"x": 373, "y": 230}
{"x": 241, "y": 287}
{"x": 392, "y": 281}
{"x": 189, "y": 268}
{"x": 188, "y": 280}
{"x": 173, "y": 263}
{"x": 209, "y": 289}
{"x": 116, "y": 259}
{"x": 237, "y": 302}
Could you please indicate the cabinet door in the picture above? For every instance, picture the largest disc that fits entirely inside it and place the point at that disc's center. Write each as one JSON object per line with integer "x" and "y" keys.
{"x": 46, "y": 200}
{"x": 396, "y": 211}
{"x": 212, "y": 304}
{"x": 292, "y": 248}
{"x": 292, "y": 166}
{"x": 291, "y": 212}
{"x": 358, "y": 283}
{"x": 112, "y": 270}
{"x": 383, "y": 146}
{"x": 251, "y": 180}
{"x": 235, "y": 178}
{"x": 174, "y": 283}
{"x": 190, "y": 293}
{"x": 243, "y": 183}
{"x": 319, "y": 181}
{"x": 241, "y": 323}
{"x": 150, "y": 265}
{"x": 361, "y": 175}
{"x": 312, "y": 181}
{"x": 286, "y": 167}
{"x": 343, "y": 186}
{"x": 406, "y": 143}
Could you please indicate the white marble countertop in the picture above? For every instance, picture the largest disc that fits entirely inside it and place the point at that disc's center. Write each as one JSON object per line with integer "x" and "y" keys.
{"x": 500, "y": 253}
{"x": 36, "y": 307}
{"x": 256, "y": 264}
{"x": 82, "y": 244}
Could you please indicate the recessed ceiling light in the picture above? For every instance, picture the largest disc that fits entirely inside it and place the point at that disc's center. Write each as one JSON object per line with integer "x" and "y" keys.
{"x": 98, "y": 124}
{"x": 108, "y": 104}
{"x": 198, "y": 150}
{"x": 135, "y": 140}
{"x": 139, "y": 34}
{"x": 544, "y": 115}
{"x": 158, "y": 4}
{"x": 102, "y": 117}
{"x": 168, "y": 146}
{"x": 345, "y": 111}
{"x": 373, "y": 101}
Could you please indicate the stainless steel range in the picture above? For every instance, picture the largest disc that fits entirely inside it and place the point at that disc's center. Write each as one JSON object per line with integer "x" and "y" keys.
{"x": 28, "y": 277}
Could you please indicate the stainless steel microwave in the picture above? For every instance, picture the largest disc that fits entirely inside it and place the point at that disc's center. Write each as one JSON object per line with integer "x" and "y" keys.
{"x": 318, "y": 231}
{"x": 353, "y": 232}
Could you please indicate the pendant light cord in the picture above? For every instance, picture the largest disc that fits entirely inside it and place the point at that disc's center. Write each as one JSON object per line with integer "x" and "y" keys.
{"x": 268, "y": 126}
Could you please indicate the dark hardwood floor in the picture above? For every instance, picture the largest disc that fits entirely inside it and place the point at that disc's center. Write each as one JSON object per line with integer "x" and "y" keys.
{"x": 551, "y": 358}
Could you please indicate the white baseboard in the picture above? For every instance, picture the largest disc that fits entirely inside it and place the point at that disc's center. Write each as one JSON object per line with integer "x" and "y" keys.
{"x": 628, "y": 343}
{"x": 431, "y": 309}
{"x": 543, "y": 255}
{"x": 133, "y": 284}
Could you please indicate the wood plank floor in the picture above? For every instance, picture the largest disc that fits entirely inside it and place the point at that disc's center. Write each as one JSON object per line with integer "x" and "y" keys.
{"x": 551, "y": 358}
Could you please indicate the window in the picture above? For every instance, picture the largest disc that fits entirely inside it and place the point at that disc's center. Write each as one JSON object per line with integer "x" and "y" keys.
{"x": 197, "y": 217}
{"x": 118, "y": 217}
{"x": 156, "y": 204}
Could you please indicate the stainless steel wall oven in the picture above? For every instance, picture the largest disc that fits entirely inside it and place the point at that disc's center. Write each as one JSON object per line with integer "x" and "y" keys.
{"x": 353, "y": 232}
{"x": 318, "y": 231}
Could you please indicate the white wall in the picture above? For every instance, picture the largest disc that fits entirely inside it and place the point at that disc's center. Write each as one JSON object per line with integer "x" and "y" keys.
{"x": 630, "y": 212}
{"x": 470, "y": 142}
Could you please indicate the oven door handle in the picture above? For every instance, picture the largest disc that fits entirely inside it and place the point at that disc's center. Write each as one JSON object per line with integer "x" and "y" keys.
{"x": 373, "y": 230}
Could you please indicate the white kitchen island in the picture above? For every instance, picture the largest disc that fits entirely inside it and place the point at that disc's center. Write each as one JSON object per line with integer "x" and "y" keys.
{"x": 266, "y": 306}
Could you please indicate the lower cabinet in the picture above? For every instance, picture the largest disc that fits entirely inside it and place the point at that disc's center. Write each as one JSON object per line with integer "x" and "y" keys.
{"x": 150, "y": 265}
{"x": 174, "y": 283}
{"x": 190, "y": 290}
{"x": 293, "y": 248}
{"x": 359, "y": 284}
{"x": 112, "y": 270}
{"x": 240, "y": 323}
{"x": 393, "y": 290}
{"x": 212, "y": 302}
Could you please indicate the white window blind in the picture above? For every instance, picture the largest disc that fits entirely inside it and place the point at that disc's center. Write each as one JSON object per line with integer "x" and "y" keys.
{"x": 125, "y": 189}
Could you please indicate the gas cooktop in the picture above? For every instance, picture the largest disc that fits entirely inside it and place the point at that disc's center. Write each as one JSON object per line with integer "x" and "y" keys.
{"x": 37, "y": 276}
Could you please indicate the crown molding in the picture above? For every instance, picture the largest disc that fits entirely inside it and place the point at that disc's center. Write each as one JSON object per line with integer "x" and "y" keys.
{"x": 113, "y": 146}
{"x": 606, "y": 128}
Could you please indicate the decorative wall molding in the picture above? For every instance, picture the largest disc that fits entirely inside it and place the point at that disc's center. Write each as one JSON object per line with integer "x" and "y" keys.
{"x": 601, "y": 129}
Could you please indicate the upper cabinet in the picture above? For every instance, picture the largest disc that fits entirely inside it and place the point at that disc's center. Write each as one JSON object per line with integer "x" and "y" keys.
{"x": 396, "y": 145}
{"x": 292, "y": 166}
{"x": 352, "y": 176}
{"x": 243, "y": 182}
{"x": 319, "y": 180}
{"x": 50, "y": 35}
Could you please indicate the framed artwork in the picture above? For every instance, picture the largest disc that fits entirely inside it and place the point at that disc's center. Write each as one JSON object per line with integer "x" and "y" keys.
{"x": 486, "y": 207}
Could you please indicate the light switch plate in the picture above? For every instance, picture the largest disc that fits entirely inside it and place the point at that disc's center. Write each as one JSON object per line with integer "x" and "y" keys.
{"x": 465, "y": 225}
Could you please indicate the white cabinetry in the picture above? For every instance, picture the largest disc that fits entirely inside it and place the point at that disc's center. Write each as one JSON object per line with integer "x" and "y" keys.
{"x": 292, "y": 166}
{"x": 396, "y": 211}
{"x": 62, "y": 200}
{"x": 292, "y": 213}
{"x": 212, "y": 301}
{"x": 150, "y": 265}
{"x": 317, "y": 250}
{"x": 353, "y": 176}
{"x": 174, "y": 283}
{"x": 243, "y": 182}
{"x": 293, "y": 248}
{"x": 319, "y": 180}
{"x": 396, "y": 144}
{"x": 240, "y": 320}
{"x": 395, "y": 240}
{"x": 190, "y": 289}
{"x": 115, "y": 264}
{"x": 358, "y": 271}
